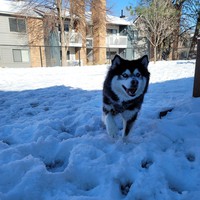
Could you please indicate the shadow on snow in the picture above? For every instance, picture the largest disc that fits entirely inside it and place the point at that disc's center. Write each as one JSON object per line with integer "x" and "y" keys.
{"x": 73, "y": 112}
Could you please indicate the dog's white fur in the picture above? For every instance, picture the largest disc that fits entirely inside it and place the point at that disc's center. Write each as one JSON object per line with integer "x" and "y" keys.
{"x": 128, "y": 87}
{"x": 116, "y": 85}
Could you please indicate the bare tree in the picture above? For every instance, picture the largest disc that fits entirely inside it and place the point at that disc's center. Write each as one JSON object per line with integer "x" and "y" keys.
{"x": 36, "y": 13}
{"x": 54, "y": 15}
{"x": 61, "y": 21}
{"x": 155, "y": 21}
{"x": 185, "y": 22}
{"x": 193, "y": 13}
{"x": 43, "y": 18}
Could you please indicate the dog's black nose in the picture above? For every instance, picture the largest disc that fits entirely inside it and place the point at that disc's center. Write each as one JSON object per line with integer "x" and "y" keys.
{"x": 134, "y": 83}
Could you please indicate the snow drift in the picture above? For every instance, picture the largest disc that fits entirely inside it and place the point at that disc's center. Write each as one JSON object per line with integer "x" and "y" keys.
{"x": 53, "y": 144}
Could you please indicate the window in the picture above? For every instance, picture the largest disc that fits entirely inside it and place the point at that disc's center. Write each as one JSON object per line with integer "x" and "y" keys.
{"x": 112, "y": 31}
{"x": 68, "y": 55}
{"x": 66, "y": 27}
{"x": 20, "y": 55}
{"x": 17, "y": 25}
{"x": 107, "y": 55}
{"x": 110, "y": 55}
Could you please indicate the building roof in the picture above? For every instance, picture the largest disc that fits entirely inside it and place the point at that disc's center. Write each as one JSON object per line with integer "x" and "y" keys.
{"x": 25, "y": 9}
{"x": 117, "y": 20}
{"x": 110, "y": 19}
{"x": 17, "y": 8}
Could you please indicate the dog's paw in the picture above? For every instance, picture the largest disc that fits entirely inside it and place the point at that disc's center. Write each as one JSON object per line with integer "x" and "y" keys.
{"x": 112, "y": 131}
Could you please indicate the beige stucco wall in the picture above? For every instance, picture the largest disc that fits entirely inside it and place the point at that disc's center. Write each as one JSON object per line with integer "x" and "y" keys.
{"x": 35, "y": 32}
{"x": 99, "y": 31}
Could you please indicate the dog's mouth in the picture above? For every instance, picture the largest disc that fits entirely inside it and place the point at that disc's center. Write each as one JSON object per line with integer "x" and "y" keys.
{"x": 130, "y": 91}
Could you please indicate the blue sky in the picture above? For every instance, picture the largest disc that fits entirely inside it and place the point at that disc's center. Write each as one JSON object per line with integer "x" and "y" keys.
{"x": 118, "y": 5}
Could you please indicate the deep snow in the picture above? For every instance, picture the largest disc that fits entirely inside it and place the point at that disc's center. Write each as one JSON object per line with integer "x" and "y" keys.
{"x": 53, "y": 144}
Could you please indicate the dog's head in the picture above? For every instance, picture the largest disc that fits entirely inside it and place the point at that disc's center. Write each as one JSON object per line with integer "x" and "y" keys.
{"x": 129, "y": 78}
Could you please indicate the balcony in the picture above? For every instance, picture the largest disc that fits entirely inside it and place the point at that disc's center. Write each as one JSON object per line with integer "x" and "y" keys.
{"x": 75, "y": 39}
{"x": 116, "y": 41}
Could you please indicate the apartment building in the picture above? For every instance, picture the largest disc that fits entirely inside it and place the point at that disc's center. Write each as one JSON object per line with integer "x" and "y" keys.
{"x": 15, "y": 49}
{"x": 12, "y": 38}
{"x": 113, "y": 40}
{"x": 20, "y": 47}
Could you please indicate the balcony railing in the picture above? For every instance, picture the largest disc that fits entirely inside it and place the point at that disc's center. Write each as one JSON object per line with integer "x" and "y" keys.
{"x": 75, "y": 39}
{"x": 116, "y": 41}
{"x": 112, "y": 41}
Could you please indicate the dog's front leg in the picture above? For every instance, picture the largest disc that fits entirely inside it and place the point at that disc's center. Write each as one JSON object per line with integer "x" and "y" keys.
{"x": 127, "y": 126}
{"x": 129, "y": 118}
{"x": 111, "y": 125}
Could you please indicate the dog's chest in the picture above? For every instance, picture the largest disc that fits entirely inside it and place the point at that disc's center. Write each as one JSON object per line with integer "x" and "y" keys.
{"x": 128, "y": 114}
{"x": 126, "y": 109}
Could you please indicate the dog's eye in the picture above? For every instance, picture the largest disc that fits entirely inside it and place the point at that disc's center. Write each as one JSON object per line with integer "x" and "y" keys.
{"x": 138, "y": 74}
{"x": 125, "y": 75}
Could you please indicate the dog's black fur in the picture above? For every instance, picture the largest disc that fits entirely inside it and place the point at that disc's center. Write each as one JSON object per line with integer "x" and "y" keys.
{"x": 128, "y": 101}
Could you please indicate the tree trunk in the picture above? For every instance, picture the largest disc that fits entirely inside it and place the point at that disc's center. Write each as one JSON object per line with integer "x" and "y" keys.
{"x": 77, "y": 13}
{"x": 154, "y": 54}
{"x": 62, "y": 33}
{"x": 178, "y": 6}
{"x": 175, "y": 45}
{"x": 194, "y": 39}
{"x": 99, "y": 31}
{"x": 196, "y": 88}
{"x": 176, "y": 38}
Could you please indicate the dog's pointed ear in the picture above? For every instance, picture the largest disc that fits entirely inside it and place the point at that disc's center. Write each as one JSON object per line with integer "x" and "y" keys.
{"x": 144, "y": 61}
{"x": 116, "y": 61}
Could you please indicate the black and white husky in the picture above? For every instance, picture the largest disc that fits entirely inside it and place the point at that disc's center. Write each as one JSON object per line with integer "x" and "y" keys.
{"x": 123, "y": 92}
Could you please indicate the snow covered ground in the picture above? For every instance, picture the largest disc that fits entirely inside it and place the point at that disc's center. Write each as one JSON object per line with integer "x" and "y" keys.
{"x": 53, "y": 145}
